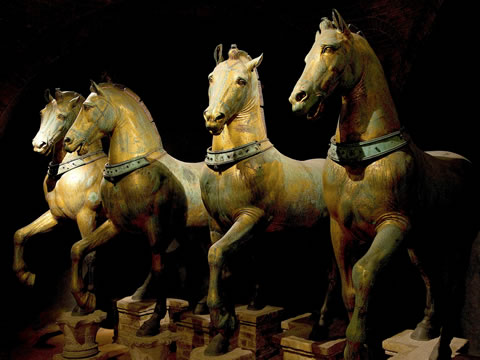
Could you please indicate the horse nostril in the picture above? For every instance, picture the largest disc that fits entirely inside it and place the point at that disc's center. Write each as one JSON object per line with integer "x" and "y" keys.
{"x": 220, "y": 116}
{"x": 300, "y": 96}
{"x": 67, "y": 140}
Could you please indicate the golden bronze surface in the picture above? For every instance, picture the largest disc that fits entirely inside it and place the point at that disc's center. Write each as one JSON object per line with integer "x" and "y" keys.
{"x": 267, "y": 192}
{"x": 159, "y": 200}
{"x": 73, "y": 195}
{"x": 408, "y": 199}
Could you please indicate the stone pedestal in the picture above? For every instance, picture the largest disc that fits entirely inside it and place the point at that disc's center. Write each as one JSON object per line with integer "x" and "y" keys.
{"x": 257, "y": 328}
{"x": 255, "y": 332}
{"x": 153, "y": 348}
{"x": 294, "y": 343}
{"x": 403, "y": 347}
{"x": 80, "y": 335}
{"x": 133, "y": 313}
{"x": 235, "y": 354}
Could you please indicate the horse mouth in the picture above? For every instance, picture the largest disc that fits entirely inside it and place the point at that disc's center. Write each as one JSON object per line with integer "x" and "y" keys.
{"x": 316, "y": 109}
{"x": 43, "y": 150}
{"x": 80, "y": 147}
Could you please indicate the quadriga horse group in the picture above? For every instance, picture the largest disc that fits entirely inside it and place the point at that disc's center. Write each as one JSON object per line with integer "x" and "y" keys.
{"x": 380, "y": 193}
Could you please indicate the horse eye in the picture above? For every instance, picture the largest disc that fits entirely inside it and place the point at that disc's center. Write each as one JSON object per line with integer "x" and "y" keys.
{"x": 328, "y": 49}
{"x": 61, "y": 117}
{"x": 241, "y": 82}
{"x": 210, "y": 78}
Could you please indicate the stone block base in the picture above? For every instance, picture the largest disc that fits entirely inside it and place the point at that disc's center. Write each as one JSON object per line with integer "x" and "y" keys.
{"x": 403, "y": 347}
{"x": 295, "y": 345}
{"x": 153, "y": 348}
{"x": 235, "y": 354}
{"x": 133, "y": 313}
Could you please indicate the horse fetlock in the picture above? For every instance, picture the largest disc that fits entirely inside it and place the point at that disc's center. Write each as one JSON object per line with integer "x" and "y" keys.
{"x": 223, "y": 319}
{"x": 355, "y": 351}
{"x": 26, "y": 277}
{"x": 86, "y": 300}
{"x": 425, "y": 330}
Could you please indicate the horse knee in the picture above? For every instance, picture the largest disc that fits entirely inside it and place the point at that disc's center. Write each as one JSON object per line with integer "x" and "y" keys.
{"x": 362, "y": 276}
{"x": 19, "y": 238}
{"x": 215, "y": 256}
{"x": 76, "y": 252}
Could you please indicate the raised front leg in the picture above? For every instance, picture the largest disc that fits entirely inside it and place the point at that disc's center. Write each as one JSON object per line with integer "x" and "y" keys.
{"x": 222, "y": 312}
{"x": 388, "y": 239}
{"x": 43, "y": 224}
{"x": 85, "y": 299}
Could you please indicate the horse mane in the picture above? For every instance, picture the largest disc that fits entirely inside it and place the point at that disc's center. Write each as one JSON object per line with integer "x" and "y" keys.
{"x": 236, "y": 54}
{"x": 125, "y": 90}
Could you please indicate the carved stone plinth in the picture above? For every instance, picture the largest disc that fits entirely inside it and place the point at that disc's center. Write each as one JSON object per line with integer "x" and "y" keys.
{"x": 257, "y": 328}
{"x": 295, "y": 345}
{"x": 153, "y": 348}
{"x": 403, "y": 347}
{"x": 133, "y": 313}
{"x": 80, "y": 335}
{"x": 196, "y": 331}
{"x": 235, "y": 354}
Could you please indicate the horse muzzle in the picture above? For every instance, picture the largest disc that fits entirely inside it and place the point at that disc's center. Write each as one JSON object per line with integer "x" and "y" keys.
{"x": 214, "y": 122}
{"x": 71, "y": 145}
{"x": 40, "y": 146}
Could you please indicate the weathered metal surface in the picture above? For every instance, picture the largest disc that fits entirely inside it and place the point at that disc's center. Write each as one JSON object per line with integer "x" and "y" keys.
{"x": 74, "y": 194}
{"x": 160, "y": 199}
{"x": 266, "y": 192}
{"x": 406, "y": 199}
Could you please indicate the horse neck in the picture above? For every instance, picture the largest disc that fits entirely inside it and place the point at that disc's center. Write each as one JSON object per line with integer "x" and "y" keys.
{"x": 368, "y": 110}
{"x": 134, "y": 134}
{"x": 59, "y": 154}
{"x": 245, "y": 127}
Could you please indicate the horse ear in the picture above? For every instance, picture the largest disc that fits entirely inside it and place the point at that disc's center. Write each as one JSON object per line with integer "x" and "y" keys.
{"x": 340, "y": 24}
{"x": 253, "y": 64}
{"x": 58, "y": 94}
{"x": 48, "y": 96}
{"x": 76, "y": 101}
{"x": 95, "y": 88}
{"x": 218, "y": 54}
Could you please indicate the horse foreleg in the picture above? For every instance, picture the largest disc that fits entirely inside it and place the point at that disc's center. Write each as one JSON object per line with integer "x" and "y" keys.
{"x": 101, "y": 235}
{"x": 43, "y": 224}
{"x": 155, "y": 234}
{"x": 87, "y": 223}
{"x": 388, "y": 239}
{"x": 428, "y": 328}
{"x": 320, "y": 328}
{"x": 222, "y": 313}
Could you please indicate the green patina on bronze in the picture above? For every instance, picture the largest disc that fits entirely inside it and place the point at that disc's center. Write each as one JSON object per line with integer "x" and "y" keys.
{"x": 156, "y": 199}
{"x": 265, "y": 192}
{"x": 407, "y": 199}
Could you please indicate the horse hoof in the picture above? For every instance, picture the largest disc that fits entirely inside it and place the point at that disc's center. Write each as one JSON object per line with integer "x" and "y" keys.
{"x": 151, "y": 327}
{"x": 26, "y": 277}
{"x": 218, "y": 346}
{"x": 142, "y": 294}
{"x": 201, "y": 308}
{"x": 86, "y": 300}
{"x": 424, "y": 332}
{"x": 355, "y": 351}
{"x": 440, "y": 353}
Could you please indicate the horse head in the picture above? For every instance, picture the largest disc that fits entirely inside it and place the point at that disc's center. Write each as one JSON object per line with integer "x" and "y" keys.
{"x": 233, "y": 84}
{"x": 94, "y": 121}
{"x": 332, "y": 63}
{"x": 56, "y": 118}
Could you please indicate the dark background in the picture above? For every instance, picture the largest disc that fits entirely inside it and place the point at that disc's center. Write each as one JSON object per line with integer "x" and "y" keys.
{"x": 163, "y": 51}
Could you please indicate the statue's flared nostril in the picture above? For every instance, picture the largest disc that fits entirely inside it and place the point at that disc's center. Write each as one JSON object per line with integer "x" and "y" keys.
{"x": 220, "y": 116}
{"x": 67, "y": 140}
{"x": 301, "y": 95}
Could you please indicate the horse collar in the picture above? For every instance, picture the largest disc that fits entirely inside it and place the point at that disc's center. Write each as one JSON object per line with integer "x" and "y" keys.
{"x": 217, "y": 159}
{"x": 348, "y": 153}
{"x": 113, "y": 172}
{"x": 55, "y": 170}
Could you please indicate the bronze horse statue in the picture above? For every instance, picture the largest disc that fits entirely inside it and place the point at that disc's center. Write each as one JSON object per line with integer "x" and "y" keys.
{"x": 144, "y": 190}
{"x": 248, "y": 186}
{"x": 72, "y": 183}
{"x": 382, "y": 192}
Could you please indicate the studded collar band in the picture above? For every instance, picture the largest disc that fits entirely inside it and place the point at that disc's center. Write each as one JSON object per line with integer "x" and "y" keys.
{"x": 348, "y": 153}
{"x": 113, "y": 172}
{"x": 223, "y": 158}
{"x": 56, "y": 170}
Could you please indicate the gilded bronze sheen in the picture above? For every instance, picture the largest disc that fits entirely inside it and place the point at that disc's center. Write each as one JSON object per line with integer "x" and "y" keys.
{"x": 160, "y": 198}
{"x": 72, "y": 184}
{"x": 402, "y": 199}
{"x": 248, "y": 186}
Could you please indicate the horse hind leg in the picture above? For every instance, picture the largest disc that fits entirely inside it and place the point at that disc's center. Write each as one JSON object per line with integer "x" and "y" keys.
{"x": 428, "y": 328}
